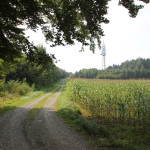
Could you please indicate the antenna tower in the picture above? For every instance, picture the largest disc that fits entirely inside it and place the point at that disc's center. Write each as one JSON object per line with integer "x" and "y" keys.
{"x": 103, "y": 57}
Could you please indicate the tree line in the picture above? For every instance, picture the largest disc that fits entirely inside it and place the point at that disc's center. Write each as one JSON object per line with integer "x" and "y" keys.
{"x": 134, "y": 69}
{"x": 39, "y": 70}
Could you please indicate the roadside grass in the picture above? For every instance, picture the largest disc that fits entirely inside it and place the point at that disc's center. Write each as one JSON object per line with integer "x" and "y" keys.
{"x": 12, "y": 101}
{"x": 101, "y": 136}
{"x": 72, "y": 115}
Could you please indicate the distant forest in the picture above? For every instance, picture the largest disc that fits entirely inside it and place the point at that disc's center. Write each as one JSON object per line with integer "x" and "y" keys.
{"x": 134, "y": 69}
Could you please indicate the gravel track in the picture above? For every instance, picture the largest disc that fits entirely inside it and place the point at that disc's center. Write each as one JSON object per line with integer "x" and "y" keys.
{"x": 11, "y": 128}
{"x": 47, "y": 132}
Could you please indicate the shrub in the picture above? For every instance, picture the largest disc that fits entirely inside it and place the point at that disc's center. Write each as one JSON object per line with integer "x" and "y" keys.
{"x": 19, "y": 88}
{"x": 2, "y": 86}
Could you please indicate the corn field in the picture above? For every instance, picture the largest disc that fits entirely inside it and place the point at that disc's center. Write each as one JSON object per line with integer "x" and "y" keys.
{"x": 112, "y": 102}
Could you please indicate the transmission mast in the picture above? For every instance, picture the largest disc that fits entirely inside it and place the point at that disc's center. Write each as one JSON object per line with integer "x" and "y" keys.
{"x": 103, "y": 57}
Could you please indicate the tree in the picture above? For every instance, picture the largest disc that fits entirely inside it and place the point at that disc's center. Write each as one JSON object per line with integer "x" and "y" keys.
{"x": 40, "y": 57}
{"x": 62, "y": 22}
{"x": 41, "y": 71}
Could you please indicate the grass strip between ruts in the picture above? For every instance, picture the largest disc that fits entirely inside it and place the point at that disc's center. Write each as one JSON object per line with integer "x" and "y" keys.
{"x": 36, "y": 109}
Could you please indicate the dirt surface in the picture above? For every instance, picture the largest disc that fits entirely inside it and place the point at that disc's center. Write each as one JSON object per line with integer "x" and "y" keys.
{"x": 47, "y": 132}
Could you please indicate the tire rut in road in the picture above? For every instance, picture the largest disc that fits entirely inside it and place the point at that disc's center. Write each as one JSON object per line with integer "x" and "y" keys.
{"x": 49, "y": 132}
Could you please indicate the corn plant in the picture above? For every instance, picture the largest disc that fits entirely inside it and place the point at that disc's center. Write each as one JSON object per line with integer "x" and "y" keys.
{"x": 113, "y": 101}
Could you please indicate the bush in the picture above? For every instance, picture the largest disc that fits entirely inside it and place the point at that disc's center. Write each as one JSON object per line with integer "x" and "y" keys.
{"x": 19, "y": 88}
{"x": 2, "y": 86}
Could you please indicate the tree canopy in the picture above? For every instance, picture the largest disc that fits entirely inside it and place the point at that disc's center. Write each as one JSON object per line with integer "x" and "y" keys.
{"x": 62, "y": 22}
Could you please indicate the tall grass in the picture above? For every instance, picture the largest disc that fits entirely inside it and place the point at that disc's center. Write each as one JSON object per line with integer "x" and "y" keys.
{"x": 112, "y": 102}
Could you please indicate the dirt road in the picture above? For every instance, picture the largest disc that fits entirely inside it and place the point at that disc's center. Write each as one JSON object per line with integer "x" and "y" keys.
{"x": 47, "y": 132}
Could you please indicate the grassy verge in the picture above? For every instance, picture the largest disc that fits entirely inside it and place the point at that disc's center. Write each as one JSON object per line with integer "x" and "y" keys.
{"x": 103, "y": 137}
{"x": 11, "y": 102}
{"x": 72, "y": 115}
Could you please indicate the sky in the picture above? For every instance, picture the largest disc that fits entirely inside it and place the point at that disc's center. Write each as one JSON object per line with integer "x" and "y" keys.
{"x": 125, "y": 38}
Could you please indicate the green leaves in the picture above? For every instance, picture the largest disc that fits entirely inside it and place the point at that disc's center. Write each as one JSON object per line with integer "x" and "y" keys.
{"x": 62, "y": 22}
{"x": 130, "y": 5}
{"x": 39, "y": 70}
